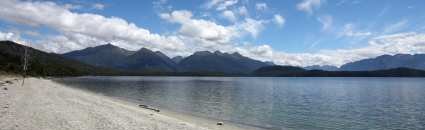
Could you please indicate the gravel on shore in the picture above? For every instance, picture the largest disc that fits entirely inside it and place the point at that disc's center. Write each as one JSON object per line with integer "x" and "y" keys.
{"x": 42, "y": 104}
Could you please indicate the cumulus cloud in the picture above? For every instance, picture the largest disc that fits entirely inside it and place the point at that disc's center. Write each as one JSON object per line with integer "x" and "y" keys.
{"x": 243, "y": 11}
{"x": 309, "y": 6}
{"x": 73, "y": 6}
{"x": 59, "y": 18}
{"x": 252, "y": 26}
{"x": 210, "y": 30}
{"x": 200, "y": 28}
{"x": 279, "y": 20}
{"x": 221, "y": 4}
{"x": 261, "y": 6}
{"x": 7, "y": 36}
{"x": 402, "y": 43}
{"x": 229, "y": 15}
{"x": 11, "y": 36}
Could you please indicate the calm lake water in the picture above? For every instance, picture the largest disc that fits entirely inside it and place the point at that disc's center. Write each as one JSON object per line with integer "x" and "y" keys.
{"x": 278, "y": 103}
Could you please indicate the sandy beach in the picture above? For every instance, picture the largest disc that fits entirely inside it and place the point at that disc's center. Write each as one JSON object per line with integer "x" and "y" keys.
{"x": 41, "y": 104}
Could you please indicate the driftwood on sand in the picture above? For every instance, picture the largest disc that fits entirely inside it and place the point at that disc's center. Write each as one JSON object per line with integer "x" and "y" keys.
{"x": 149, "y": 108}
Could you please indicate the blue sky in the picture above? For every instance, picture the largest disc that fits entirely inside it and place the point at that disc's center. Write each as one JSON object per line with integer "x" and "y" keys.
{"x": 294, "y": 32}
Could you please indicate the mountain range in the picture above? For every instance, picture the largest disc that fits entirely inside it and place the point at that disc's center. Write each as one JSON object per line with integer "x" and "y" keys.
{"x": 416, "y": 61}
{"x": 112, "y": 60}
{"x": 148, "y": 61}
{"x": 110, "y": 56}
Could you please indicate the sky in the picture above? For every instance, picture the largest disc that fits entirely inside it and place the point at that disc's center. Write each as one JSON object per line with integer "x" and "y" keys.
{"x": 286, "y": 32}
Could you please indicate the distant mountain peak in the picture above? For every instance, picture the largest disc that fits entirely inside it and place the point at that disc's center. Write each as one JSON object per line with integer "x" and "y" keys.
{"x": 147, "y": 60}
{"x": 205, "y": 61}
{"x": 110, "y": 56}
{"x": 108, "y": 45}
{"x": 143, "y": 49}
{"x": 162, "y": 55}
{"x": 236, "y": 53}
{"x": 416, "y": 61}
{"x": 202, "y": 53}
{"x": 218, "y": 52}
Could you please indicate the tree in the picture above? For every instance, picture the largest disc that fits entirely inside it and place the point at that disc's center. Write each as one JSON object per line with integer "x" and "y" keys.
{"x": 25, "y": 65}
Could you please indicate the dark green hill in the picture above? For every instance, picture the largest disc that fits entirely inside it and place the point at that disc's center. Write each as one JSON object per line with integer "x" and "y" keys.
{"x": 42, "y": 63}
{"x": 289, "y": 71}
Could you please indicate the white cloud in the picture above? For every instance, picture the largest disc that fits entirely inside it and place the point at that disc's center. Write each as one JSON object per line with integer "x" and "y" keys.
{"x": 262, "y": 51}
{"x": 403, "y": 43}
{"x": 98, "y": 6}
{"x": 350, "y": 31}
{"x": 81, "y": 30}
{"x": 200, "y": 28}
{"x": 227, "y": 4}
{"x": 252, "y": 26}
{"x": 212, "y": 31}
{"x": 243, "y": 11}
{"x": 279, "y": 20}
{"x": 221, "y": 4}
{"x": 19, "y": 32}
{"x": 261, "y": 6}
{"x": 59, "y": 18}
{"x": 11, "y": 36}
{"x": 213, "y": 3}
{"x": 326, "y": 22}
{"x": 309, "y": 6}
{"x": 229, "y": 15}
{"x": 7, "y": 36}
{"x": 177, "y": 16}
{"x": 72, "y": 6}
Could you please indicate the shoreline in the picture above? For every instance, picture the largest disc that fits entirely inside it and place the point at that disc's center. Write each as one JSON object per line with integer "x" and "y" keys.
{"x": 202, "y": 121}
{"x": 44, "y": 104}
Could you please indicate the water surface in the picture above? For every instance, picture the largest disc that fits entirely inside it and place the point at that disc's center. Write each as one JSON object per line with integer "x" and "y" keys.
{"x": 277, "y": 103}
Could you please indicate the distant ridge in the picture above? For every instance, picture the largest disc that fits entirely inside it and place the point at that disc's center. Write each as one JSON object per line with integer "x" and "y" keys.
{"x": 416, "y": 61}
{"x": 218, "y": 62}
{"x": 322, "y": 67}
{"x": 106, "y": 55}
{"x": 147, "y": 61}
{"x": 112, "y": 60}
{"x": 42, "y": 63}
{"x": 290, "y": 71}
{"x": 143, "y": 60}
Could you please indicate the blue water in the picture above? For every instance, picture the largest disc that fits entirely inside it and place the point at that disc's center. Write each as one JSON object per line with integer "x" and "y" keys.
{"x": 277, "y": 103}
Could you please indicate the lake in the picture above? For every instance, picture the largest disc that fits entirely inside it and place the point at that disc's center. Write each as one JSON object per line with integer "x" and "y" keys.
{"x": 275, "y": 102}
